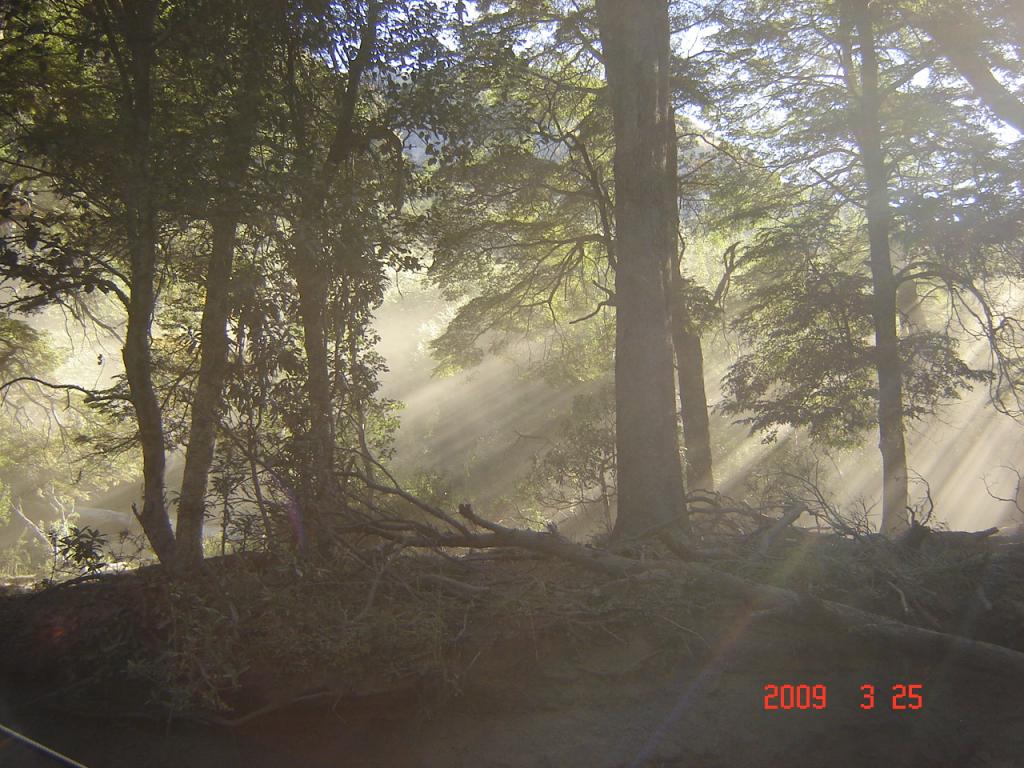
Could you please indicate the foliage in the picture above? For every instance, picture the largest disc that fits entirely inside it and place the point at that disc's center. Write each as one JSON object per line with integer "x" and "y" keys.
{"x": 522, "y": 226}
{"x": 807, "y": 313}
{"x": 477, "y": 147}
{"x": 807, "y": 321}
{"x": 79, "y": 549}
{"x": 578, "y": 467}
{"x": 47, "y": 464}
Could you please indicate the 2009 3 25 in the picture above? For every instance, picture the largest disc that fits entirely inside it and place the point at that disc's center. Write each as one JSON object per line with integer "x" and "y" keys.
{"x": 788, "y": 696}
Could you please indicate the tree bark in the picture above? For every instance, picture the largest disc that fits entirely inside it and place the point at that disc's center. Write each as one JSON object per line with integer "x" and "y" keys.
{"x": 138, "y": 366}
{"x": 884, "y": 308}
{"x": 693, "y": 399}
{"x": 240, "y": 130}
{"x": 635, "y": 41}
{"x": 693, "y": 402}
{"x": 312, "y": 289}
{"x": 137, "y": 28}
{"x": 206, "y": 399}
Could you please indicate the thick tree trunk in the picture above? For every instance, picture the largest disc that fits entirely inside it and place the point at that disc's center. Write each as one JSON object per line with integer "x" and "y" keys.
{"x": 206, "y": 400}
{"x": 887, "y": 353}
{"x": 141, "y": 235}
{"x": 635, "y": 42}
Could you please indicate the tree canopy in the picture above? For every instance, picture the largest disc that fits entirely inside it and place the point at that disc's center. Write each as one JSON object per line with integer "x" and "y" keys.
{"x": 821, "y": 202}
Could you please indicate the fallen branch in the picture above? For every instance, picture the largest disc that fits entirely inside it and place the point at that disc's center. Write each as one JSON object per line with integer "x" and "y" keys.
{"x": 771, "y": 532}
{"x": 769, "y": 600}
{"x": 903, "y": 597}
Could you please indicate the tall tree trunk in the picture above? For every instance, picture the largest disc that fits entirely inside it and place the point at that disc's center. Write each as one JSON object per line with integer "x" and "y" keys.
{"x": 137, "y": 28}
{"x": 635, "y": 42}
{"x": 240, "y": 130}
{"x": 312, "y": 286}
{"x": 693, "y": 403}
{"x": 887, "y": 353}
{"x": 308, "y": 264}
{"x": 138, "y": 367}
{"x": 606, "y": 501}
{"x": 206, "y": 399}
{"x": 693, "y": 398}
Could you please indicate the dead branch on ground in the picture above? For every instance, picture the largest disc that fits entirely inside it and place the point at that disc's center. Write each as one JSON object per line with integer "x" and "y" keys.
{"x": 766, "y": 600}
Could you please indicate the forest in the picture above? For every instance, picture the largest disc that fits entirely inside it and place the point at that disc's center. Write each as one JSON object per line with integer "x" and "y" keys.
{"x": 592, "y": 383}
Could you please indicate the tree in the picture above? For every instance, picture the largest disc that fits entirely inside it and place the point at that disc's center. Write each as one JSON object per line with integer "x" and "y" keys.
{"x": 241, "y": 69}
{"x": 688, "y": 308}
{"x": 46, "y": 463}
{"x": 982, "y": 42}
{"x": 576, "y": 470}
{"x": 856, "y": 178}
{"x": 348, "y": 95}
{"x": 868, "y": 134}
{"x": 87, "y": 116}
{"x": 131, "y": 71}
{"x": 636, "y": 52}
{"x": 189, "y": 91}
{"x": 525, "y": 223}
{"x": 320, "y": 167}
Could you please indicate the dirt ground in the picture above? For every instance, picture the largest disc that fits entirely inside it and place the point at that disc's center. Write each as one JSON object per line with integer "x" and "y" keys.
{"x": 534, "y": 664}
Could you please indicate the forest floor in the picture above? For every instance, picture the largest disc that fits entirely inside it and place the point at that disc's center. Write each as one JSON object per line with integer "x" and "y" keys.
{"x": 508, "y": 658}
